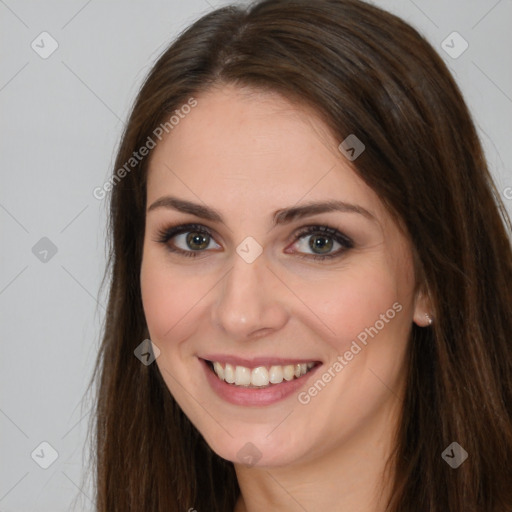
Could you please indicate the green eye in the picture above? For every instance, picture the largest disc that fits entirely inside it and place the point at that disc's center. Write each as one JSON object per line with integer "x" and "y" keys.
{"x": 312, "y": 242}
{"x": 321, "y": 242}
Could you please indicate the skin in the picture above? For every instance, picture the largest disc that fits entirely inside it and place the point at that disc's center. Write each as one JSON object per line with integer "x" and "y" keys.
{"x": 247, "y": 154}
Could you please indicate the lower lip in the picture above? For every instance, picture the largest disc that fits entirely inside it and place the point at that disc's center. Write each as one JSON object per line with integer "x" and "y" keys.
{"x": 240, "y": 395}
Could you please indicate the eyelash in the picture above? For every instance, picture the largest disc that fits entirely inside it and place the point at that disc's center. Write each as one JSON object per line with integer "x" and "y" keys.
{"x": 166, "y": 234}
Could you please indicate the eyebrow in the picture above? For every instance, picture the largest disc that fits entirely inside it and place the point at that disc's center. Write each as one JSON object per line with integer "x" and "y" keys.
{"x": 282, "y": 216}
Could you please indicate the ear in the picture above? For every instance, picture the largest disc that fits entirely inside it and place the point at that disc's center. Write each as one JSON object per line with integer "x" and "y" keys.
{"x": 422, "y": 310}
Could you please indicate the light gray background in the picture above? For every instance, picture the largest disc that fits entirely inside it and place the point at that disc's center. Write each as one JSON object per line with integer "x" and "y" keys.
{"x": 61, "y": 121}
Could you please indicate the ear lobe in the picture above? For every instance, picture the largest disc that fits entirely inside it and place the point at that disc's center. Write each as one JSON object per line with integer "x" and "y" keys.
{"x": 423, "y": 310}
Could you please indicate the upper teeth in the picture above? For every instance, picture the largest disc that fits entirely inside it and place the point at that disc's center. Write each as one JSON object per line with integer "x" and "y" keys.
{"x": 260, "y": 376}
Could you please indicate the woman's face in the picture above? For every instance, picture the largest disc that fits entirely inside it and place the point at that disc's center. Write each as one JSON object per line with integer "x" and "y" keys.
{"x": 266, "y": 287}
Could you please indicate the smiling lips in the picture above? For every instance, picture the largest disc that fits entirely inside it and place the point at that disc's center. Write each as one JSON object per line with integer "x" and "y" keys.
{"x": 260, "y": 376}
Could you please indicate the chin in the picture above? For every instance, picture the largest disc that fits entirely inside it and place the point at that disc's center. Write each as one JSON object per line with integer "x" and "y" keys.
{"x": 252, "y": 446}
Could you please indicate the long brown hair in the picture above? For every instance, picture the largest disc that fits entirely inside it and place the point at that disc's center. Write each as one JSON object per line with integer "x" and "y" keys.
{"x": 365, "y": 72}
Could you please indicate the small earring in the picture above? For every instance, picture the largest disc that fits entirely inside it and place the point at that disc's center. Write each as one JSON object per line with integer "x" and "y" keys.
{"x": 429, "y": 318}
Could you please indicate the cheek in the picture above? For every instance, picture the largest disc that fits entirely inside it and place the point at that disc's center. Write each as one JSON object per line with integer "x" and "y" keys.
{"x": 352, "y": 301}
{"x": 170, "y": 299}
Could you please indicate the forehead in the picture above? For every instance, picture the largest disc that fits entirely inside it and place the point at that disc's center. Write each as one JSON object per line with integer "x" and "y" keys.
{"x": 250, "y": 149}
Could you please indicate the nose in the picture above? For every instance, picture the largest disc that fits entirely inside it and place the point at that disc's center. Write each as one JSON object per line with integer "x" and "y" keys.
{"x": 250, "y": 301}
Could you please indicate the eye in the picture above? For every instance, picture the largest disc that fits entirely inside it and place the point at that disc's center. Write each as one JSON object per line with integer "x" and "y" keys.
{"x": 313, "y": 242}
{"x": 188, "y": 240}
{"x": 323, "y": 242}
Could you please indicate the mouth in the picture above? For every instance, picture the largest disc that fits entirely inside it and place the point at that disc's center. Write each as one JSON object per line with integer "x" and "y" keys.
{"x": 259, "y": 377}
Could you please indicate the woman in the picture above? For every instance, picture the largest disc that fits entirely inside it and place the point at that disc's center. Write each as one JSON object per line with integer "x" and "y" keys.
{"x": 304, "y": 226}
